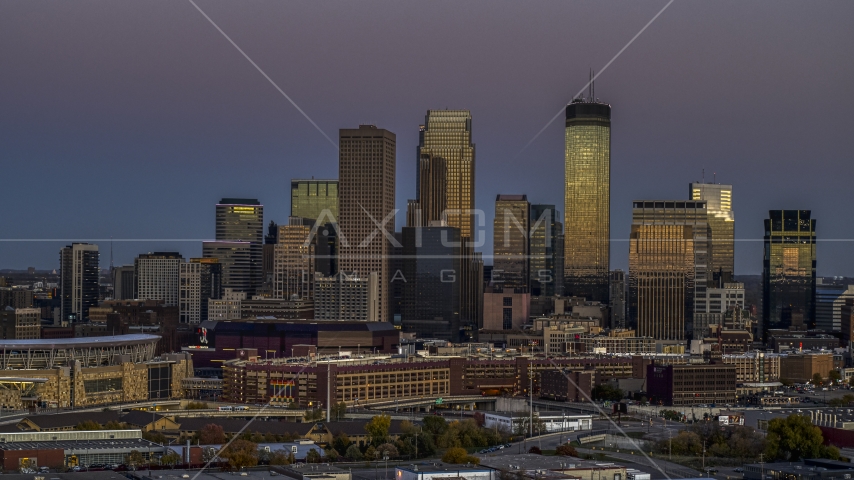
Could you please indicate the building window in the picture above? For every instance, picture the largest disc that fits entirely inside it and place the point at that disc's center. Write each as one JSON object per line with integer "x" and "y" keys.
{"x": 507, "y": 321}
{"x": 508, "y": 301}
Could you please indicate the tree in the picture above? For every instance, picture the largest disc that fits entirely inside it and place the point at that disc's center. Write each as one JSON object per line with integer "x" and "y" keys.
{"x": 435, "y": 425}
{"x": 371, "y": 453}
{"x": 196, "y": 406}
{"x": 313, "y": 456}
{"x": 378, "y": 428}
{"x": 88, "y": 425}
{"x": 331, "y": 455}
{"x": 134, "y": 458}
{"x": 521, "y": 425}
{"x": 606, "y": 391}
{"x": 795, "y": 437}
{"x": 339, "y": 411}
{"x": 241, "y": 454}
{"x": 479, "y": 418}
{"x": 566, "y": 450}
{"x": 208, "y": 454}
{"x": 341, "y": 442}
{"x": 353, "y": 453}
{"x": 279, "y": 457}
{"x": 170, "y": 459}
{"x": 212, "y": 434}
{"x": 459, "y": 455}
{"x": 535, "y": 450}
{"x": 834, "y": 376}
{"x": 114, "y": 425}
{"x": 314, "y": 415}
{"x": 388, "y": 450}
{"x": 155, "y": 437}
{"x": 817, "y": 379}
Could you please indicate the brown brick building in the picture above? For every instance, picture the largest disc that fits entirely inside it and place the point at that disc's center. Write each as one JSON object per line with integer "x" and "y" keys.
{"x": 802, "y": 366}
{"x": 681, "y": 385}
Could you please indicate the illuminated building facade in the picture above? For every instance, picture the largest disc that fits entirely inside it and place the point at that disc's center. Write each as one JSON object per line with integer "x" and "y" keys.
{"x": 788, "y": 274}
{"x": 156, "y": 277}
{"x": 315, "y": 199}
{"x": 721, "y": 221}
{"x": 242, "y": 220}
{"x": 366, "y": 166}
{"x": 587, "y": 207}
{"x": 668, "y": 250}
{"x": 511, "y": 267}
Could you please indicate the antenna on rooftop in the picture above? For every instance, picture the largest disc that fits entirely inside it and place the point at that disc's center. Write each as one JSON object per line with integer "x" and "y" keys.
{"x": 111, "y": 253}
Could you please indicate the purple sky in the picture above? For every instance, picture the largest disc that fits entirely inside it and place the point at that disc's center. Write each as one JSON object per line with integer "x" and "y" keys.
{"x": 132, "y": 119}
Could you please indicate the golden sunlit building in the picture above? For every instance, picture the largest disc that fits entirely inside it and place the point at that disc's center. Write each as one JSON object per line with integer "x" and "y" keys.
{"x": 587, "y": 211}
{"x": 718, "y": 200}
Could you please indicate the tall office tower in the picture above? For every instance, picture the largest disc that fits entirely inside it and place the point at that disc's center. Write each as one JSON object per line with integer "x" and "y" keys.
{"x": 156, "y": 277}
{"x": 510, "y": 241}
{"x": 123, "y": 282}
{"x": 236, "y": 261}
{"x": 311, "y": 198}
{"x": 788, "y": 274}
{"x": 347, "y": 297}
{"x": 242, "y": 220}
{"x": 366, "y": 210}
{"x": 829, "y": 299}
{"x": 431, "y": 294}
{"x": 78, "y": 280}
{"x": 668, "y": 249}
{"x": 587, "y": 208}
{"x": 617, "y": 296}
{"x": 270, "y": 240}
{"x": 294, "y": 269}
{"x": 718, "y": 200}
{"x": 199, "y": 281}
{"x": 545, "y": 232}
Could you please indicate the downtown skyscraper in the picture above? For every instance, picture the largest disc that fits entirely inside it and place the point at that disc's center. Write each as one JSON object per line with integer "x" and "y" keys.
{"x": 721, "y": 221}
{"x": 366, "y": 179}
{"x": 587, "y": 209}
{"x": 445, "y": 194}
{"x": 240, "y": 220}
{"x": 788, "y": 273}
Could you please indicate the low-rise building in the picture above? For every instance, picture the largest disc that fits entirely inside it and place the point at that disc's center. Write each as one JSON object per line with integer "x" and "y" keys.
{"x": 552, "y": 421}
{"x": 801, "y": 367}
{"x": 691, "y": 384}
{"x": 566, "y": 386}
{"x": 755, "y": 367}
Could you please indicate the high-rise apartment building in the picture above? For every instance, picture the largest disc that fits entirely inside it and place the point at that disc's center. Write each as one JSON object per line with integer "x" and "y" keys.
{"x": 156, "y": 277}
{"x": 347, "y": 297}
{"x": 432, "y": 287}
{"x": 511, "y": 265}
{"x": 315, "y": 199}
{"x": 366, "y": 167}
{"x": 721, "y": 221}
{"x": 617, "y": 283}
{"x": 199, "y": 281}
{"x": 788, "y": 274}
{"x": 242, "y": 220}
{"x": 79, "y": 275}
{"x": 236, "y": 261}
{"x": 546, "y": 236}
{"x": 587, "y": 208}
{"x": 294, "y": 261}
{"x": 668, "y": 249}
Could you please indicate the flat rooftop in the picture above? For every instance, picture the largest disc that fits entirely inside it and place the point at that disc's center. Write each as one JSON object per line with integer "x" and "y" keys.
{"x": 82, "y": 445}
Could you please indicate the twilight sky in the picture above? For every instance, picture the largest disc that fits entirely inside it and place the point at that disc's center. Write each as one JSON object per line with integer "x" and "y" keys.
{"x": 132, "y": 119}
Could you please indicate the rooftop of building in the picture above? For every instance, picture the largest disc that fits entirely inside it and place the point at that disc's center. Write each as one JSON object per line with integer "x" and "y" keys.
{"x": 439, "y": 467}
{"x": 540, "y": 414}
{"x": 82, "y": 445}
{"x": 94, "y": 342}
{"x": 70, "y": 419}
{"x": 529, "y": 461}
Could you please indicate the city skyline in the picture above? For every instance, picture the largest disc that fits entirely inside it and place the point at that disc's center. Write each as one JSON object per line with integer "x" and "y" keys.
{"x": 226, "y": 158}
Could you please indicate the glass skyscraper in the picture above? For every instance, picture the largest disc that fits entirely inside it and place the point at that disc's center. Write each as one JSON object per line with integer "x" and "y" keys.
{"x": 511, "y": 266}
{"x": 788, "y": 274}
{"x": 587, "y": 210}
{"x": 309, "y": 199}
{"x": 718, "y": 200}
